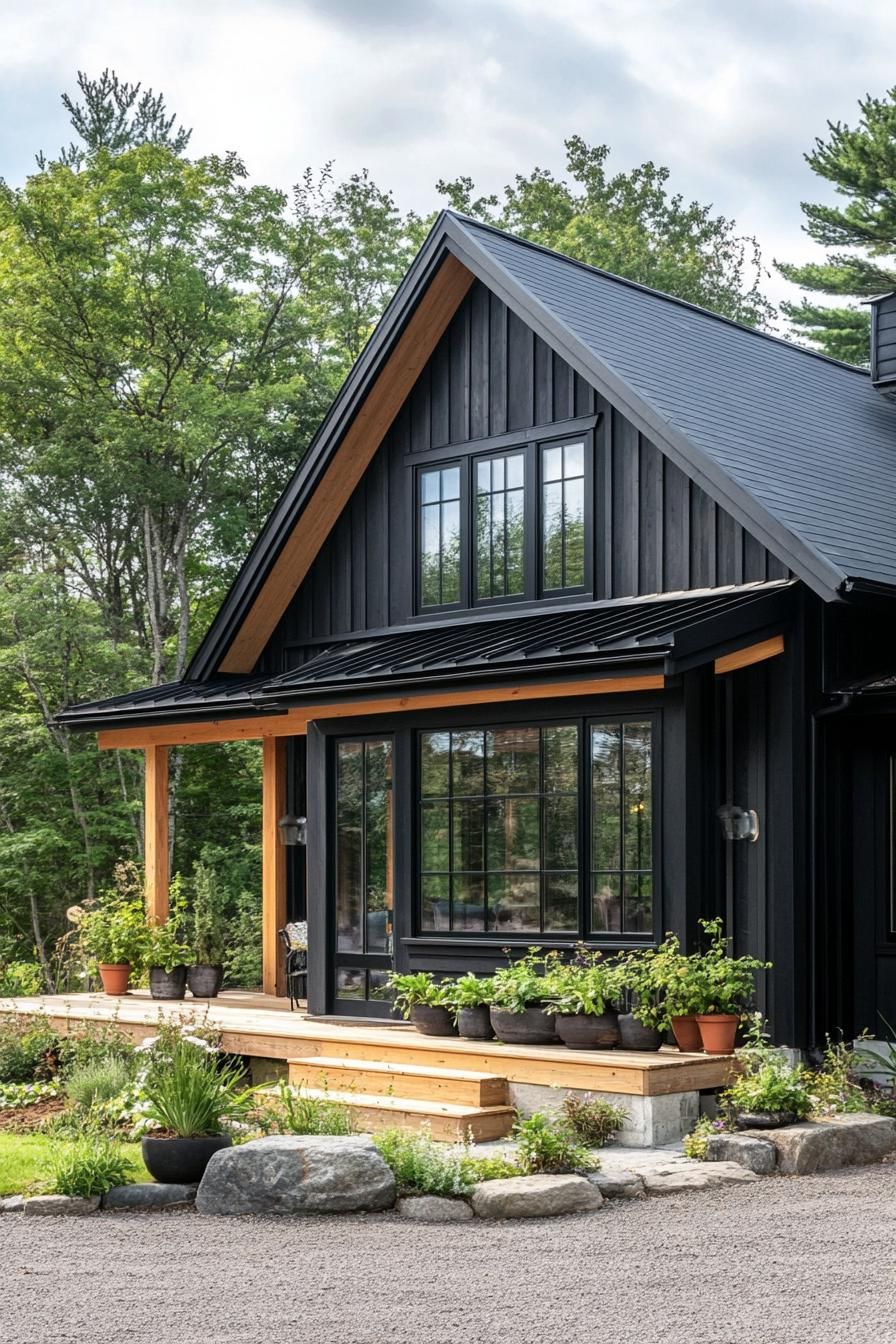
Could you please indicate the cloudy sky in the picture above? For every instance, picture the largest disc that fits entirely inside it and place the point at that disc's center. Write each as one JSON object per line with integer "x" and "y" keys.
{"x": 727, "y": 93}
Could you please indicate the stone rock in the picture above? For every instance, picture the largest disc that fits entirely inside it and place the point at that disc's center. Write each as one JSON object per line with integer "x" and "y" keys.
{"x": 535, "y": 1197}
{"x": 619, "y": 1184}
{"x": 680, "y": 1177}
{"x": 51, "y": 1205}
{"x": 12, "y": 1204}
{"x": 148, "y": 1195}
{"x": 755, "y": 1154}
{"x": 823, "y": 1145}
{"x": 434, "y": 1209}
{"x": 297, "y": 1174}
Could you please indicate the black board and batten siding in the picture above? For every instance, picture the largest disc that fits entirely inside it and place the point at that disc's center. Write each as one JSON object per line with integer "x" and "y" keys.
{"x": 489, "y": 376}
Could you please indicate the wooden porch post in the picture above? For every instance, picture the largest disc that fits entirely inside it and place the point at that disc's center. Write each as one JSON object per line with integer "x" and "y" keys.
{"x": 155, "y": 833}
{"x": 273, "y": 863}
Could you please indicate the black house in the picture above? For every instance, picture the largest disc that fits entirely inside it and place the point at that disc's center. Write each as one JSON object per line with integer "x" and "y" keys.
{"x": 575, "y": 622}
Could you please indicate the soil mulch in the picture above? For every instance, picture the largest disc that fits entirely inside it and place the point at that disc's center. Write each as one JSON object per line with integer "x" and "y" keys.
{"x": 26, "y": 1119}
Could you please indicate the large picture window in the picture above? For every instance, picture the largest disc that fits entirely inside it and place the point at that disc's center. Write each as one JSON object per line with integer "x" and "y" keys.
{"x": 537, "y": 830}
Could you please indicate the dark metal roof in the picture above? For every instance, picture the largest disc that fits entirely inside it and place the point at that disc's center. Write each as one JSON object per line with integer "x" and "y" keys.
{"x": 665, "y": 633}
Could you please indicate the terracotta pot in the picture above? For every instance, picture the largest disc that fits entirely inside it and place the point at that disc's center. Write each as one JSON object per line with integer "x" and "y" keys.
{"x": 530, "y": 1027}
{"x": 633, "y": 1035}
{"x": 167, "y": 984}
{"x": 475, "y": 1024}
{"x": 115, "y": 976}
{"x": 431, "y": 1021}
{"x": 181, "y": 1161}
{"x": 717, "y": 1031}
{"x": 687, "y": 1033}
{"x": 587, "y": 1031}
{"x": 205, "y": 981}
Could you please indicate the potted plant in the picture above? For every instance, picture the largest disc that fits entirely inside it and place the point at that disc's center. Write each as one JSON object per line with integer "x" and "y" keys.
{"x": 206, "y": 974}
{"x": 685, "y": 992}
{"x": 192, "y": 1100}
{"x": 638, "y": 981}
{"x": 421, "y": 998}
{"x": 519, "y": 992}
{"x": 470, "y": 998}
{"x": 113, "y": 933}
{"x": 728, "y": 987}
{"x": 579, "y": 996}
{"x": 769, "y": 1091}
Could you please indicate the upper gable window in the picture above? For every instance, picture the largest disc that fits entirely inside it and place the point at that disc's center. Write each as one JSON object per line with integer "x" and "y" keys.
{"x": 440, "y": 536}
{"x": 500, "y": 532}
{"x": 563, "y": 516}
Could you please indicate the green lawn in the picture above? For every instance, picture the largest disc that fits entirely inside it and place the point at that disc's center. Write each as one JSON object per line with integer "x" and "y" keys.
{"x": 25, "y": 1161}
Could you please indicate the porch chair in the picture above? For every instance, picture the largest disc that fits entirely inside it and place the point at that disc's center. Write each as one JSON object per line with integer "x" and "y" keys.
{"x": 295, "y": 945}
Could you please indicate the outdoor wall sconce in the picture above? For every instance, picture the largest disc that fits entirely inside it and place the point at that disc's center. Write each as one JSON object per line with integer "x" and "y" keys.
{"x": 739, "y": 823}
{"x": 293, "y": 830}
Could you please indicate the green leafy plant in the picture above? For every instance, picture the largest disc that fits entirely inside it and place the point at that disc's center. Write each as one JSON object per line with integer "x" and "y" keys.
{"x": 637, "y": 979}
{"x": 696, "y": 1143}
{"x": 585, "y": 985}
{"x": 547, "y": 1144}
{"x": 98, "y": 1080}
{"x": 492, "y": 1168}
{"x": 165, "y": 945}
{"x": 423, "y": 1167}
{"x": 208, "y": 923}
{"x": 418, "y": 988}
{"x": 114, "y": 931}
{"x": 468, "y": 991}
{"x": 89, "y": 1167}
{"x": 20, "y": 979}
{"x": 28, "y": 1048}
{"x": 729, "y": 982}
{"x": 767, "y": 1082}
{"x": 835, "y": 1087}
{"x": 296, "y": 1113}
{"x": 592, "y": 1120}
{"x": 188, "y": 1094}
{"x": 87, "y": 1042}
{"x": 524, "y": 983}
{"x": 682, "y": 978}
{"x": 17, "y": 1096}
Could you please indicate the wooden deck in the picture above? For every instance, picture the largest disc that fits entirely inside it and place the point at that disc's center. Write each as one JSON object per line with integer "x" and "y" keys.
{"x": 262, "y": 1026}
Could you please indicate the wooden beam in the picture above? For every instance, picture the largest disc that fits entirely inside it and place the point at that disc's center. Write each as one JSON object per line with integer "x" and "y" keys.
{"x": 754, "y": 653}
{"x": 155, "y": 833}
{"x": 273, "y": 863}
{"x": 295, "y": 723}
{"x": 365, "y": 434}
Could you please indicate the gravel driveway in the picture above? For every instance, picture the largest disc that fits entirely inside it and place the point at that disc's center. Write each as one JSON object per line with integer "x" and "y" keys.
{"x": 784, "y": 1261}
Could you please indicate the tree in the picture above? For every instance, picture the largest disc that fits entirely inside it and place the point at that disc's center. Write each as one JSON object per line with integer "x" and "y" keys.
{"x": 628, "y": 223}
{"x": 860, "y": 162}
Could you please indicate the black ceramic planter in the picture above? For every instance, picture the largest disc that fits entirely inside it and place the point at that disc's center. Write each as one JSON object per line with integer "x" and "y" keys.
{"x": 586, "y": 1031}
{"x": 431, "y": 1021}
{"x": 181, "y": 1161}
{"x": 530, "y": 1027}
{"x": 205, "y": 981}
{"x": 475, "y": 1024}
{"x": 634, "y": 1036}
{"x": 167, "y": 984}
{"x": 764, "y": 1119}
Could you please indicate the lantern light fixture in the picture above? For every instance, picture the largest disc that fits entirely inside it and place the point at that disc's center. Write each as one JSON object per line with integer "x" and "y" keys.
{"x": 293, "y": 830}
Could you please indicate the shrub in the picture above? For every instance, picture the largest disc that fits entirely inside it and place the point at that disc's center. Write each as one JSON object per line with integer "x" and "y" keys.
{"x": 242, "y": 962}
{"x": 492, "y": 1168}
{"x": 835, "y": 1088}
{"x": 20, "y": 979}
{"x": 114, "y": 930}
{"x": 89, "y": 1167}
{"x": 92, "y": 1041}
{"x": 208, "y": 933}
{"x": 592, "y": 1120}
{"x": 545, "y": 1144}
{"x": 294, "y": 1113}
{"x": 27, "y": 1049}
{"x": 97, "y": 1081}
{"x": 423, "y": 1167}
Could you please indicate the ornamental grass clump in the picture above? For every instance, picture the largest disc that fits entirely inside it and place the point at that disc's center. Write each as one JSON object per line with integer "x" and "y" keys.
{"x": 188, "y": 1094}
{"x": 89, "y": 1167}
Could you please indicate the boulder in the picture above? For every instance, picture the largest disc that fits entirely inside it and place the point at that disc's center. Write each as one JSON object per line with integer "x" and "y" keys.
{"x": 434, "y": 1209}
{"x": 535, "y": 1197}
{"x": 52, "y": 1205}
{"x": 680, "y": 1177}
{"x": 148, "y": 1195}
{"x": 838, "y": 1141}
{"x": 297, "y": 1174}
{"x": 755, "y": 1154}
{"x": 619, "y": 1184}
{"x": 12, "y": 1204}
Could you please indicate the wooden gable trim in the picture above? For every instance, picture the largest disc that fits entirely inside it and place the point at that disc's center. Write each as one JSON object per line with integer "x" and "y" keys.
{"x": 427, "y": 324}
{"x": 753, "y": 653}
{"x": 295, "y": 721}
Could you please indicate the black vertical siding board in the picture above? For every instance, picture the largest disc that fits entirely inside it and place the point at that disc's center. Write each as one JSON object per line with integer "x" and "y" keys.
{"x": 421, "y": 430}
{"x": 583, "y": 396}
{"x": 544, "y": 383}
{"x": 726, "y": 547}
{"x": 563, "y": 389}
{"x": 651, "y": 518}
{"x": 497, "y": 383}
{"x": 626, "y": 461}
{"x": 459, "y": 376}
{"x": 342, "y": 575}
{"x": 358, "y": 514}
{"x": 603, "y": 503}
{"x": 676, "y": 529}
{"x": 479, "y": 361}
{"x": 520, "y": 374}
{"x": 440, "y": 392}
{"x": 377, "y": 548}
{"x": 703, "y": 539}
{"x": 755, "y": 560}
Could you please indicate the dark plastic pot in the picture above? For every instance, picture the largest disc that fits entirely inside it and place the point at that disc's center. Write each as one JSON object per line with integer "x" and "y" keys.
{"x": 634, "y": 1036}
{"x": 530, "y": 1027}
{"x": 167, "y": 984}
{"x": 432, "y": 1021}
{"x": 475, "y": 1024}
{"x": 586, "y": 1031}
{"x": 764, "y": 1119}
{"x": 205, "y": 981}
{"x": 181, "y": 1161}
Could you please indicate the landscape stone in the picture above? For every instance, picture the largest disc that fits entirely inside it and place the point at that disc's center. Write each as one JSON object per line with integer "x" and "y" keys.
{"x": 52, "y": 1205}
{"x": 680, "y": 1177}
{"x": 535, "y": 1197}
{"x": 755, "y": 1154}
{"x": 618, "y": 1184}
{"x": 12, "y": 1204}
{"x": 297, "y": 1174}
{"x": 148, "y": 1195}
{"x": 837, "y": 1141}
{"x": 434, "y": 1209}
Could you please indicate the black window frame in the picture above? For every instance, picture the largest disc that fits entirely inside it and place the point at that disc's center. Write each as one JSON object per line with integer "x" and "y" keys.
{"x": 587, "y": 442}
{"x": 463, "y": 509}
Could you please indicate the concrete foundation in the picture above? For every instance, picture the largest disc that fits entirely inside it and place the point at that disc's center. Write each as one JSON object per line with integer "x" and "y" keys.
{"x": 651, "y": 1123}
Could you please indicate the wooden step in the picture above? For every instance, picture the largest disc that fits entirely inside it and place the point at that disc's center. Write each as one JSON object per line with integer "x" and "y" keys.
{"x": 447, "y": 1123}
{"x": 382, "y": 1078}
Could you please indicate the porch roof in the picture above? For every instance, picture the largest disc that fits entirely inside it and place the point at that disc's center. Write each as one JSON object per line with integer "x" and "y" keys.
{"x": 666, "y": 633}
